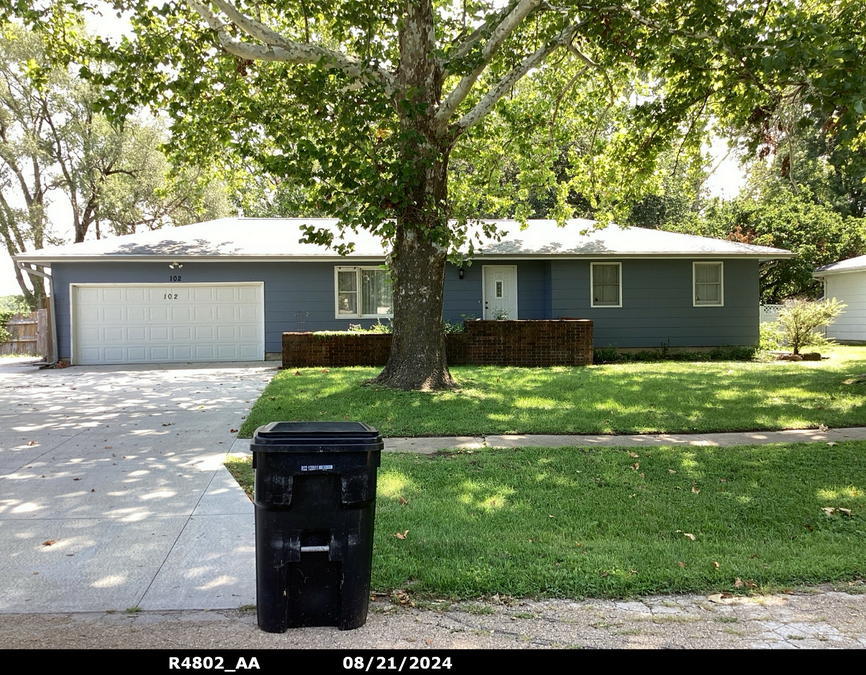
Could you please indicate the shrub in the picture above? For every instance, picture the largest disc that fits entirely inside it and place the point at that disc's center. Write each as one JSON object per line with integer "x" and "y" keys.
{"x": 772, "y": 338}
{"x": 5, "y": 316}
{"x": 799, "y": 319}
{"x": 377, "y": 327}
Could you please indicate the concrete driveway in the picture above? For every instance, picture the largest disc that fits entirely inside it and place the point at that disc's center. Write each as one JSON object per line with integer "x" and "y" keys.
{"x": 112, "y": 489}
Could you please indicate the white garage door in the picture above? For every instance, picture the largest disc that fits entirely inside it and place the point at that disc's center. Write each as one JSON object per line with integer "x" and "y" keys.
{"x": 163, "y": 323}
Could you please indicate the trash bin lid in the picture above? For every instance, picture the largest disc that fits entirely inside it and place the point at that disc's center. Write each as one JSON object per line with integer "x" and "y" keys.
{"x": 318, "y": 434}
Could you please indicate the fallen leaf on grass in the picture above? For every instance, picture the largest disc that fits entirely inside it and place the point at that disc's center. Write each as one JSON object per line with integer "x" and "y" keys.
{"x": 715, "y": 564}
{"x": 401, "y": 536}
{"x": 671, "y": 471}
{"x": 635, "y": 466}
{"x": 403, "y": 502}
{"x": 738, "y": 583}
{"x": 681, "y": 564}
{"x": 696, "y": 490}
{"x": 689, "y": 535}
{"x": 633, "y": 455}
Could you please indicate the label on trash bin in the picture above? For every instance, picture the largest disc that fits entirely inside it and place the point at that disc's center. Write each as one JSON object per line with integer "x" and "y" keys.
{"x": 317, "y": 467}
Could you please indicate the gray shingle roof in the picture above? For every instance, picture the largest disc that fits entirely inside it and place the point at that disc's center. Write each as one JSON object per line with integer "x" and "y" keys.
{"x": 850, "y": 265}
{"x": 279, "y": 238}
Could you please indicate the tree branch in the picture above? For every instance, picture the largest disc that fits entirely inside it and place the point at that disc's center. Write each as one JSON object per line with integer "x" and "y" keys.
{"x": 505, "y": 28}
{"x": 465, "y": 45}
{"x": 276, "y": 47}
{"x": 485, "y": 105}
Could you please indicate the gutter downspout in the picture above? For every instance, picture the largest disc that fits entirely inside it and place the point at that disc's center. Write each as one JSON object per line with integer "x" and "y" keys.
{"x": 24, "y": 268}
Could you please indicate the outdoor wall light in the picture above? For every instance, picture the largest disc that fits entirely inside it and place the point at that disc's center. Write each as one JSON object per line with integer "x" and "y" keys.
{"x": 175, "y": 266}
{"x": 460, "y": 273}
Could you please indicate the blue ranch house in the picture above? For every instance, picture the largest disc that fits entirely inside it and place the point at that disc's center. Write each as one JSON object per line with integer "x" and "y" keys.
{"x": 226, "y": 290}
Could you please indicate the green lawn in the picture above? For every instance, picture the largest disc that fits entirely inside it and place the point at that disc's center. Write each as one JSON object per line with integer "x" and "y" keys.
{"x": 620, "y": 398}
{"x": 575, "y": 522}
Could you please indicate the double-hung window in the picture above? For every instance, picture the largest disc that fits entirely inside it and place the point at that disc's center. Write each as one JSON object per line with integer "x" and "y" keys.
{"x": 606, "y": 284}
{"x": 363, "y": 292}
{"x": 708, "y": 284}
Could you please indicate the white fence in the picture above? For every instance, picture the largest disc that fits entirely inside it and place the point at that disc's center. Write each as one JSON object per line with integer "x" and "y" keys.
{"x": 770, "y": 313}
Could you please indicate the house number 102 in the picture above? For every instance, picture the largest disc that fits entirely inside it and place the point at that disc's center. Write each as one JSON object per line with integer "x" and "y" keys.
{"x": 170, "y": 296}
{"x": 174, "y": 277}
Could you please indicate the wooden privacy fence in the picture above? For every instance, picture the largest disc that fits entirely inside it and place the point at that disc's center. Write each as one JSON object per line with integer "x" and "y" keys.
{"x": 28, "y": 334}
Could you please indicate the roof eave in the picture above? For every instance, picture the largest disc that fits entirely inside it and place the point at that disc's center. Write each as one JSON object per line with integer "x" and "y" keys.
{"x": 47, "y": 261}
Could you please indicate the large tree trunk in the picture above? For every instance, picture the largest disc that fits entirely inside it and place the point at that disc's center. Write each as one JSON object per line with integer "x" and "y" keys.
{"x": 417, "y": 359}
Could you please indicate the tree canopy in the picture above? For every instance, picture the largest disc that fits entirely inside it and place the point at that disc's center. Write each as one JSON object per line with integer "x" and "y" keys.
{"x": 56, "y": 148}
{"x": 396, "y": 116}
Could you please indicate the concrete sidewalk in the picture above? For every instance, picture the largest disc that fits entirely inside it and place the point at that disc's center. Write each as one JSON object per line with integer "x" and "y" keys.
{"x": 431, "y": 445}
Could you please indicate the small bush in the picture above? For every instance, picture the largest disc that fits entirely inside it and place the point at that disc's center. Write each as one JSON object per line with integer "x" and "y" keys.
{"x": 799, "y": 320}
{"x": 772, "y": 338}
{"x": 609, "y": 354}
{"x": 5, "y": 316}
{"x": 377, "y": 327}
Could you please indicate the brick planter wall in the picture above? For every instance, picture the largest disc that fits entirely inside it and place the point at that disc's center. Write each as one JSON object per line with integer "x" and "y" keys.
{"x": 499, "y": 343}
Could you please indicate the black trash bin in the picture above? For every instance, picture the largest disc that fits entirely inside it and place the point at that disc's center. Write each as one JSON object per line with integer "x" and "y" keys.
{"x": 315, "y": 501}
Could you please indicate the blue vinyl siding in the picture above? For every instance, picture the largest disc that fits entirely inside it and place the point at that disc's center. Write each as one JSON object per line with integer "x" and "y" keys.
{"x": 657, "y": 304}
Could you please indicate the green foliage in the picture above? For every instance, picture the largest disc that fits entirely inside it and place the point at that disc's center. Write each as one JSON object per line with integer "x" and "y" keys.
{"x": 815, "y": 233}
{"x": 610, "y": 354}
{"x": 772, "y": 338}
{"x": 799, "y": 319}
{"x": 5, "y": 316}
{"x": 454, "y": 327}
{"x": 56, "y": 147}
{"x": 377, "y": 327}
{"x": 15, "y": 303}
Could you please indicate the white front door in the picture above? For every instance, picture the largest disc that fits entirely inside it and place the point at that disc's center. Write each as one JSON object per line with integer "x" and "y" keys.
{"x": 500, "y": 291}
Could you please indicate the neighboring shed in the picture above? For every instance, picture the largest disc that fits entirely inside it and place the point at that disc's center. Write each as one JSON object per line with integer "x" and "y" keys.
{"x": 228, "y": 289}
{"x": 846, "y": 281}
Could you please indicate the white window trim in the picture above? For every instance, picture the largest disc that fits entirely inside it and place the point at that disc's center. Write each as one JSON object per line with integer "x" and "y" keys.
{"x": 357, "y": 269}
{"x": 721, "y": 302}
{"x": 592, "y": 267}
